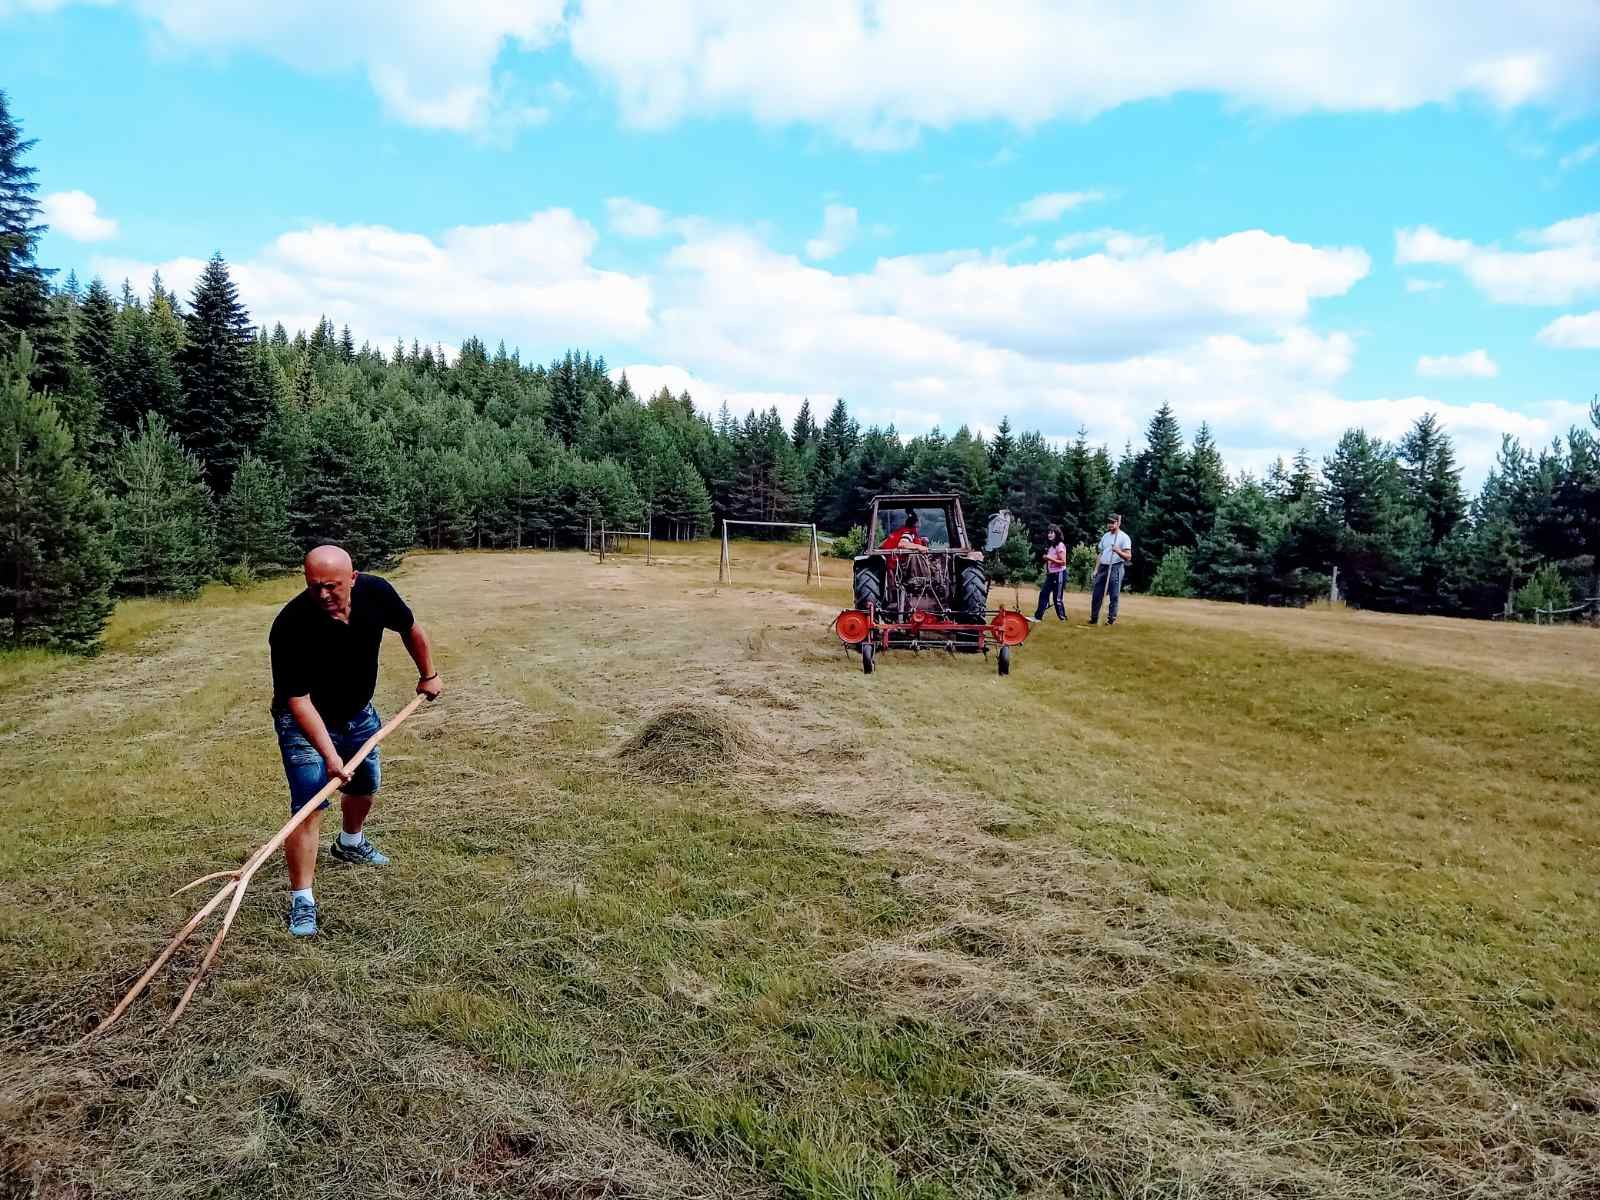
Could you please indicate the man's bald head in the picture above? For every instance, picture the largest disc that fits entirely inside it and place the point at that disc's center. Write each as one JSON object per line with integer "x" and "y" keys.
{"x": 329, "y": 578}
{"x": 329, "y": 557}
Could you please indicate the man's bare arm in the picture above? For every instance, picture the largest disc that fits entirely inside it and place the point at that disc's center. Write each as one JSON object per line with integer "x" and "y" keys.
{"x": 421, "y": 651}
{"x": 310, "y": 722}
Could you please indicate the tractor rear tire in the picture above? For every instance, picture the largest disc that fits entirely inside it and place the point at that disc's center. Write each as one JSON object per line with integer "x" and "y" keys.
{"x": 869, "y": 587}
{"x": 972, "y": 598}
{"x": 972, "y": 592}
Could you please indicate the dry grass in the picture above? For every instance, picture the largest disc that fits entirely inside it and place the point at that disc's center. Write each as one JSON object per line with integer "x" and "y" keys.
{"x": 1221, "y": 902}
{"x": 688, "y": 743}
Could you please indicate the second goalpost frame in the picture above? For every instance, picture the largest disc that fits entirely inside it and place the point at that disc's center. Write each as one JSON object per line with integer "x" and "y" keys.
{"x": 813, "y": 558}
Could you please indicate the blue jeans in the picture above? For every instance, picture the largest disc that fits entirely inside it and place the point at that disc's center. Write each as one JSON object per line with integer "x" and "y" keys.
{"x": 1051, "y": 590}
{"x": 304, "y": 768}
{"x": 1106, "y": 579}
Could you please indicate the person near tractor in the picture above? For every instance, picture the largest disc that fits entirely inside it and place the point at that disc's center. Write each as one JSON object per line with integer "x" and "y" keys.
{"x": 906, "y": 537}
{"x": 1055, "y": 575}
{"x": 324, "y": 646}
{"x": 1116, "y": 551}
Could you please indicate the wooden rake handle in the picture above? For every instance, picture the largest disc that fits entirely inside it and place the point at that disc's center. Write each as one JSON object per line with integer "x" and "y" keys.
{"x": 238, "y": 880}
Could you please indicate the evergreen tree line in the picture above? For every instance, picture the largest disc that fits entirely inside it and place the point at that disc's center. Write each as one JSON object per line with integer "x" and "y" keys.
{"x": 149, "y": 443}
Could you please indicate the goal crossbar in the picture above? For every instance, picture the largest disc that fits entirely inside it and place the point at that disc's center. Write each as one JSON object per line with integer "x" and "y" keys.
{"x": 813, "y": 559}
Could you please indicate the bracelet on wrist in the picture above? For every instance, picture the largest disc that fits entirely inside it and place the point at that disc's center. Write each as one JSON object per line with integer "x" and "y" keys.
{"x": 428, "y": 678}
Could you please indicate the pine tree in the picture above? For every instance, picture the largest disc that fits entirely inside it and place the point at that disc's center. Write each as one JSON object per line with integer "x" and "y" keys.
{"x": 1000, "y": 448}
{"x": 25, "y": 307}
{"x": 56, "y": 560}
{"x": 165, "y": 518}
{"x": 1378, "y": 538}
{"x": 1433, "y": 481}
{"x": 353, "y": 492}
{"x": 1235, "y": 560}
{"x": 221, "y": 417}
{"x": 96, "y": 338}
{"x": 144, "y": 375}
{"x": 254, "y": 525}
{"x": 805, "y": 428}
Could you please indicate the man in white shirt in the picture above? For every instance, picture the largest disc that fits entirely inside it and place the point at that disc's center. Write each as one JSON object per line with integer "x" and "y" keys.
{"x": 1116, "y": 551}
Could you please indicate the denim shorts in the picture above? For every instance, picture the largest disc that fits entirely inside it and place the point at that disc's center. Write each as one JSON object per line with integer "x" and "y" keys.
{"x": 308, "y": 774}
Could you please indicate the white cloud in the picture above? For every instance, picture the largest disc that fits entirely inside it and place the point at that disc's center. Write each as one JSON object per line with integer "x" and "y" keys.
{"x": 1579, "y": 156}
{"x": 1565, "y": 267}
{"x": 431, "y": 62}
{"x": 1425, "y": 244}
{"x": 1117, "y": 242}
{"x": 1051, "y": 205}
{"x": 840, "y": 225}
{"x": 76, "y": 215}
{"x": 1573, "y": 332}
{"x": 632, "y": 219}
{"x": 1475, "y": 364}
{"x": 881, "y": 70}
{"x": 1423, "y": 285}
{"x": 877, "y": 72}
{"x": 529, "y": 281}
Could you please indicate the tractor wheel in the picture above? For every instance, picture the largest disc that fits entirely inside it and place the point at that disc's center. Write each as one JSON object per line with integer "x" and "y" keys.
{"x": 1005, "y": 660}
{"x": 972, "y": 592}
{"x": 972, "y": 598}
{"x": 869, "y": 586}
{"x": 866, "y": 658}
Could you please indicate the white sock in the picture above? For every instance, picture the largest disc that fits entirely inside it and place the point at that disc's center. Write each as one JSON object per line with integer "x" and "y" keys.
{"x": 302, "y": 894}
{"x": 346, "y": 838}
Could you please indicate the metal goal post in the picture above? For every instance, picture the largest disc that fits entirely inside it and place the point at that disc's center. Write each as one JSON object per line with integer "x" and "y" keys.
{"x": 813, "y": 559}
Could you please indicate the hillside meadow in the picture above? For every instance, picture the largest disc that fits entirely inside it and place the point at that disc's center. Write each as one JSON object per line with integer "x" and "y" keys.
{"x": 1222, "y": 902}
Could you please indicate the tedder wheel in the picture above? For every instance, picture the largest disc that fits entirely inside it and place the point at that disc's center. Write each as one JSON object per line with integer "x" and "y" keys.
{"x": 1005, "y": 660}
{"x": 866, "y": 658}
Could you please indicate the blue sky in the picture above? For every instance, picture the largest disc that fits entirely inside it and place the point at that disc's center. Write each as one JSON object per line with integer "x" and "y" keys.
{"x": 1065, "y": 212}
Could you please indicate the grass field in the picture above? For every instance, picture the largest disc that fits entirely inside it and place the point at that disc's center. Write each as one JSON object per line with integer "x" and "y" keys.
{"x": 1222, "y": 902}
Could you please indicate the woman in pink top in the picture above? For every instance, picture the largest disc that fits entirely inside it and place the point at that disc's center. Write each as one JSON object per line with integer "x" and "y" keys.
{"x": 1055, "y": 575}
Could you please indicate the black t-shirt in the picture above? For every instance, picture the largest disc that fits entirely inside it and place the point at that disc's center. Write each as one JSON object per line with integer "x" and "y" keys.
{"x": 335, "y": 662}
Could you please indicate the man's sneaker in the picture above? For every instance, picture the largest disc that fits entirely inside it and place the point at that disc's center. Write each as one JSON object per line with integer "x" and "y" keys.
{"x": 302, "y": 917}
{"x": 363, "y": 854}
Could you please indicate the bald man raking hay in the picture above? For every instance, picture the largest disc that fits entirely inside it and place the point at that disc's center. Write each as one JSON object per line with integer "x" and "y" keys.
{"x": 325, "y": 646}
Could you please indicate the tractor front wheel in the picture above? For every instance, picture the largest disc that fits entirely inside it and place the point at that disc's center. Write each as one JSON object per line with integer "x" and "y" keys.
{"x": 866, "y": 658}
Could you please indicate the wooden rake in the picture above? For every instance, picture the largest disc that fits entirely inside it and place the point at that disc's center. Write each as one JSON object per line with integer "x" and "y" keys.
{"x": 238, "y": 880}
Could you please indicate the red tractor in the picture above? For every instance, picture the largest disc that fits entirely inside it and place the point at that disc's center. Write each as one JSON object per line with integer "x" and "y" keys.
{"x": 920, "y": 584}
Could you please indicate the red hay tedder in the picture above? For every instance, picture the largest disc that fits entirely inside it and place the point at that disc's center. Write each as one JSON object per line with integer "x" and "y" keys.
{"x": 920, "y": 585}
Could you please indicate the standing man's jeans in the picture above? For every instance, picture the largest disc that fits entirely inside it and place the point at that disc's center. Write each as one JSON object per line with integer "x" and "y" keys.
{"x": 1051, "y": 589}
{"x": 1106, "y": 579}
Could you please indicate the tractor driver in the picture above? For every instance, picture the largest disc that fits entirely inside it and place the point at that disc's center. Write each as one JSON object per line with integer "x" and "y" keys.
{"x": 906, "y": 537}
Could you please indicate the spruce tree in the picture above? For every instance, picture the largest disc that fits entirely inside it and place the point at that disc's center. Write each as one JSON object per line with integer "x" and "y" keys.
{"x": 1433, "y": 481}
{"x": 144, "y": 375}
{"x": 96, "y": 338}
{"x": 254, "y": 525}
{"x": 25, "y": 307}
{"x": 1236, "y": 559}
{"x": 56, "y": 558}
{"x": 350, "y": 490}
{"x": 165, "y": 518}
{"x": 805, "y": 428}
{"x": 221, "y": 418}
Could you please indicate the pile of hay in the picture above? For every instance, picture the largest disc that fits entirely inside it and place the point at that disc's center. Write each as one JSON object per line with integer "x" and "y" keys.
{"x": 685, "y": 743}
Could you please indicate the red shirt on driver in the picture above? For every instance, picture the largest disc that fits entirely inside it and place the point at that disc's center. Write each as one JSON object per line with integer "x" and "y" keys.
{"x": 903, "y": 538}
